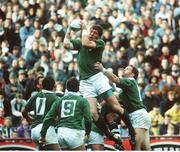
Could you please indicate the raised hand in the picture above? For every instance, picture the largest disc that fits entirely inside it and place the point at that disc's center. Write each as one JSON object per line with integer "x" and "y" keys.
{"x": 83, "y": 26}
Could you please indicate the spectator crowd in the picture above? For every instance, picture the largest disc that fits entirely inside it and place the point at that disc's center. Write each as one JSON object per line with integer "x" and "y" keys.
{"x": 144, "y": 33}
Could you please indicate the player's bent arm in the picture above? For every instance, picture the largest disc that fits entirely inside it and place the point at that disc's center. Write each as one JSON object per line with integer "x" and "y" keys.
{"x": 86, "y": 43}
{"x": 87, "y": 127}
{"x": 111, "y": 76}
{"x": 26, "y": 116}
{"x": 67, "y": 43}
{"x": 49, "y": 119}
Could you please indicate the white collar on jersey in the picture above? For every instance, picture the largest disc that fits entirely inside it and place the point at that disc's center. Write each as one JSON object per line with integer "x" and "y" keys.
{"x": 47, "y": 91}
{"x": 131, "y": 78}
{"x": 70, "y": 92}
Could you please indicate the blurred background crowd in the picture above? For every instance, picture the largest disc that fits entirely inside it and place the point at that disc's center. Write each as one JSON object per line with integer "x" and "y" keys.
{"x": 145, "y": 33}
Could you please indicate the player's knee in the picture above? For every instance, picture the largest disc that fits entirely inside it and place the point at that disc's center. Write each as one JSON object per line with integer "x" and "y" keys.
{"x": 146, "y": 147}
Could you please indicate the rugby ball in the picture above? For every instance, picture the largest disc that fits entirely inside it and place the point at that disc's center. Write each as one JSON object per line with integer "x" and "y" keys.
{"x": 75, "y": 25}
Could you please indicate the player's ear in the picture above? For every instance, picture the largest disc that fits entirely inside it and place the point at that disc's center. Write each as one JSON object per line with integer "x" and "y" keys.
{"x": 133, "y": 75}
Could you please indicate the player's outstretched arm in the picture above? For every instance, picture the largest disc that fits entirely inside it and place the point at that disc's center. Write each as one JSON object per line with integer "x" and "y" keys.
{"x": 67, "y": 43}
{"x": 109, "y": 74}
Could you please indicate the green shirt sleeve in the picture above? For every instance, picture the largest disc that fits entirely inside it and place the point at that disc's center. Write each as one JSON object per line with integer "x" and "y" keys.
{"x": 49, "y": 118}
{"x": 100, "y": 44}
{"x": 76, "y": 44}
{"x": 29, "y": 105}
{"x": 124, "y": 83}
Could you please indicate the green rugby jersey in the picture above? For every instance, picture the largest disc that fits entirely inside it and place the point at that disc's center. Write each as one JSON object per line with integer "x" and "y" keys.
{"x": 70, "y": 109}
{"x": 130, "y": 97}
{"x": 87, "y": 58}
{"x": 41, "y": 104}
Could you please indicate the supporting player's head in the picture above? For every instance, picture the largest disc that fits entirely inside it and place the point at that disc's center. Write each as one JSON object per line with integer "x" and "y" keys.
{"x": 72, "y": 84}
{"x": 48, "y": 83}
{"x": 135, "y": 71}
{"x": 131, "y": 71}
{"x": 96, "y": 32}
{"x": 38, "y": 82}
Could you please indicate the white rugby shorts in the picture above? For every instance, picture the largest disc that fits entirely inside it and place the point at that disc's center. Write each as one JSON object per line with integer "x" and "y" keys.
{"x": 70, "y": 138}
{"x": 140, "y": 119}
{"x": 95, "y": 138}
{"x": 95, "y": 85}
{"x": 51, "y": 136}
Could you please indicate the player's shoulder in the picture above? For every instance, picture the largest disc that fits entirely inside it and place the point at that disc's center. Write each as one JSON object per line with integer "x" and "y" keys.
{"x": 35, "y": 95}
{"x": 76, "y": 41}
{"x": 132, "y": 80}
{"x": 83, "y": 100}
{"x": 127, "y": 79}
{"x": 57, "y": 100}
{"x": 78, "y": 97}
{"x": 100, "y": 41}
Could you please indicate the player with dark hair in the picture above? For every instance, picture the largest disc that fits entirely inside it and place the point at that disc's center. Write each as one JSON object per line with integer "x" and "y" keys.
{"x": 132, "y": 101}
{"x": 40, "y": 104}
{"x": 93, "y": 82}
{"x": 71, "y": 109}
{"x": 72, "y": 85}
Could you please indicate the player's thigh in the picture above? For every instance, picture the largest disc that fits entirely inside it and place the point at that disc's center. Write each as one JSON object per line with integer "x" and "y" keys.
{"x": 53, "y": 147}
{"x": 80, "y": 148}
{"x": 113, "y": 104}
{"x": 93, "y": 104}
{"x": 146, "y": 142}
{"x": 87, "y": 89}
{"x": 97, "y": 147}
{"x": 110, "y": 117}
{"x": 70, "y": 138}
{"x": 142, "y": 139}
{"x": 139, "y": 138}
